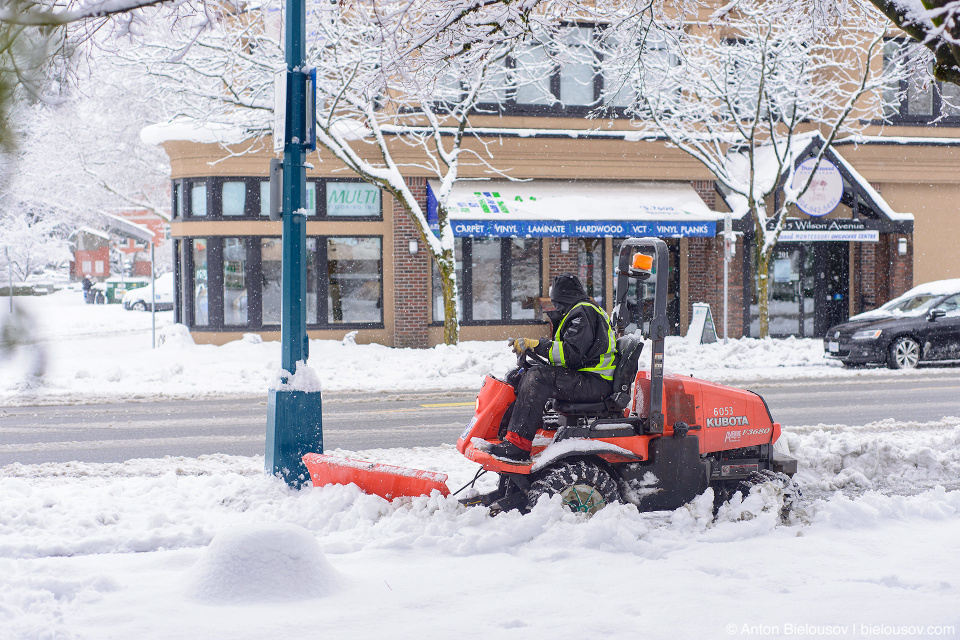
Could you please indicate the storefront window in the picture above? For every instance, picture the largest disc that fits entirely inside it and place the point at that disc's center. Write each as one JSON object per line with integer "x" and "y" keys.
{"x": 353, "y": 199}
{"x": 525, "y": 277}
{"x": 590, "y": 268}
{"x": 487, "y": 282}
{"x": 201, "y": 316}
{"x": 354, "y": 267}
{"x": 234, "y": 281}
{"x": 486, "y": 269}
{"x": 271, "y": 263}
{"x": 198, "y": 200}
{"x": 233, "y": 198}
{"x": 311, "y": 281}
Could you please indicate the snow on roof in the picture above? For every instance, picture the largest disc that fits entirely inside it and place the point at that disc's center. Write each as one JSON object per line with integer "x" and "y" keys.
{"x": 123, "y": 227}
{"x": 935, "y": 288}
{"x": 93, "y": 232}
{"x": 766, "y": 164}
{"x": 876, "y": 197}
{"x": 579, "y": 201}
{"x": 192, "y": 131}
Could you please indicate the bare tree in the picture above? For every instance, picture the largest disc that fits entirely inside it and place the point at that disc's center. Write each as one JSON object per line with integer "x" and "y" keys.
{"x": 743, "y": 91}
{"x": 376, "y": 103}
{"x": 933, "y": 23}
{"x": 30, "y": 244}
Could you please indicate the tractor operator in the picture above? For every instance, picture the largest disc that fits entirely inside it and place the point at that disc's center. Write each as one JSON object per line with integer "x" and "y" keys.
{"x": 581, "y": 357}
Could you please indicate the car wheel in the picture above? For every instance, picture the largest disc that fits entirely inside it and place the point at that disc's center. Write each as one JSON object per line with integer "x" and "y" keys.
{"x": 100, "y": 298}
{"x": 139, "y": 305}
{"x": 904, "y": 354}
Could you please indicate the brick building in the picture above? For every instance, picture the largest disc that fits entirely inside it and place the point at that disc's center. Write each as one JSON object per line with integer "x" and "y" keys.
{"x": 369, "y": 272}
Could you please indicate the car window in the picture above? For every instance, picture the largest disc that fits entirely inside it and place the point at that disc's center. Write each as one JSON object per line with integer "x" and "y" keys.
{"x": 913, "y": 303}
{"x": 951, "y": 305}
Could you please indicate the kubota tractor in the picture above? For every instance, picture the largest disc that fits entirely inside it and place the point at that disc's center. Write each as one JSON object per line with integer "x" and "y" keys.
{"x": 658, "y": 441}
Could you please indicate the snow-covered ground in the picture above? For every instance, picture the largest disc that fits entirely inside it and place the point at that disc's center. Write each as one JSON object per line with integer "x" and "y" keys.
{"x": 211, "y": 548}
{"x": 98, "y": 352}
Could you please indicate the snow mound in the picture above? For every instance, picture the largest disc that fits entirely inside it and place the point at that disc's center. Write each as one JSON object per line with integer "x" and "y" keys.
{"x": 175, "y": 335}
{"x": 305, "y": 379}
{"x": 258, "y": 563}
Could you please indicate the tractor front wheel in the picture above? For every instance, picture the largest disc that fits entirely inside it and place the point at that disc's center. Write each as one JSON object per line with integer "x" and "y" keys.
{"x": 582, "y": 486}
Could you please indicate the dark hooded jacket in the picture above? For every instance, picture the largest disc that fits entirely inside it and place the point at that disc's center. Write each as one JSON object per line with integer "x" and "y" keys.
{"x": 583, "y": 338}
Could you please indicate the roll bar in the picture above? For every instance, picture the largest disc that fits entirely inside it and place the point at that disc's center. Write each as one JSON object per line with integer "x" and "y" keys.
{"x": 656, "y": 248}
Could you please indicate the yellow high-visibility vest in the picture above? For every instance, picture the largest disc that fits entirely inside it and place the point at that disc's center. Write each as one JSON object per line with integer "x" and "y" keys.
{"x": 606, "y": 365}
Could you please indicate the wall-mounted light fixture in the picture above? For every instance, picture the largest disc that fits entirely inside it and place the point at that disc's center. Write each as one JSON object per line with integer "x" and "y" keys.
{"x": 902, "y": 246}
{"x": 413, "y": 247}
{"x": 564, "y": 246}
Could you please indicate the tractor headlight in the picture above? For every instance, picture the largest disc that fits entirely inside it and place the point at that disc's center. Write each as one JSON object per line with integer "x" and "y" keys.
{"x": 871, "y": 334}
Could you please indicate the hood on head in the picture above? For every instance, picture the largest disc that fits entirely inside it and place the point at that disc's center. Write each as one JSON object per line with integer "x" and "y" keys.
{"x": 567, "y": 291}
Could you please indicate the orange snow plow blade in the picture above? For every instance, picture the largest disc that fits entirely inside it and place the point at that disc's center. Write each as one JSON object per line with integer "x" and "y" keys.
{"x": 383, "y": 480}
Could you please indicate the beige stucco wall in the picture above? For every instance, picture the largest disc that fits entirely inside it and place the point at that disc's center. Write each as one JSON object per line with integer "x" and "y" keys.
{"x": 923, "y": 180}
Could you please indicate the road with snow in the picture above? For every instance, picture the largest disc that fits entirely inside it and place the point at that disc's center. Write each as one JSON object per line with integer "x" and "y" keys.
{"x": 114, "y": 432}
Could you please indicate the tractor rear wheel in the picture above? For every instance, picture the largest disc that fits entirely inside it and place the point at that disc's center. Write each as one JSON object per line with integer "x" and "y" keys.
{"x": 582, "y": 486}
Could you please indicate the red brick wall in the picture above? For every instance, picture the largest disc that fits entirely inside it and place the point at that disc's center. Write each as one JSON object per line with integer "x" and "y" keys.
{"x": 560, "y": 262}
{"x": 884, "y": 273}
{"x": 705, "y": 282}
{"x": 411, "y": 276}
{"x": 901, "y": 266}
{"x": 706, "y": 191}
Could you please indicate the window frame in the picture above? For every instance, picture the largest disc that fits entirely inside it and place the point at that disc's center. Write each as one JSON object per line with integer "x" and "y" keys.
{"x": 253, "y": 272}
{"x": 506, "y": 287}
{"x": 251, "y": 209}
{"x": 510, "y": 107}
{"x": 902, "y": 117}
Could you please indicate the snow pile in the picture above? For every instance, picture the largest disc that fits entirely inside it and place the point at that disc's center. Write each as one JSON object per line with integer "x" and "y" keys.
{"x": 102, "y": 352}
{"x": 82, "y": 543}
{"x": 885, "y": 456}
{"x": 303, "y": 379}
{"x": 260, "y": 563}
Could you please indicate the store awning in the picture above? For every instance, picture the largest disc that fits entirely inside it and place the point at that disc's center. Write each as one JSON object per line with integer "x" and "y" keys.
{"x": 587, "y": 209}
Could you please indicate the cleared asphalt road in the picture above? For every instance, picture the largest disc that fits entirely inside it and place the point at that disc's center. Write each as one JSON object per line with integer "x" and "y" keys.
{"x": 236, "y": 425}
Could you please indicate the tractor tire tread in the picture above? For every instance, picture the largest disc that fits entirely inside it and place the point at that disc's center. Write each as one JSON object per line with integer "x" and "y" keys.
{"x": 556, "y": 479}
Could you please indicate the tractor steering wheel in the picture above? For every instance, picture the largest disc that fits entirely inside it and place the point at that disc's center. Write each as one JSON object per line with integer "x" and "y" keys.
{"x": 529, "y": 358}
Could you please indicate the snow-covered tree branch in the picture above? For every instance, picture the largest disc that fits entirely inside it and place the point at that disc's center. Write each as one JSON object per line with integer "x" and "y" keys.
{"x": 377, "y": 102}
{"x": 743, "y": 92}
{"x": 935, "y": 24}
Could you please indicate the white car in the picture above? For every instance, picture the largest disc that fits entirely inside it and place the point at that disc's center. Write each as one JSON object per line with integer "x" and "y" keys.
{"x": 139, "y": 299}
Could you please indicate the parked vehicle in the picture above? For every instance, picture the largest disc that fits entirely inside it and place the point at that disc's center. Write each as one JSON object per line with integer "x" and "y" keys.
{"x": 922, "y": 325}
{"x": 139, "y": 299}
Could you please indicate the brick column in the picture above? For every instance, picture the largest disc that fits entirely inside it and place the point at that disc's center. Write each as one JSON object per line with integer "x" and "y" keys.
{"x": 705, "y": 282}
{"x": 561, "y": 262}
{"x": 411, "y": 276}
{"x": 901, "y": 266}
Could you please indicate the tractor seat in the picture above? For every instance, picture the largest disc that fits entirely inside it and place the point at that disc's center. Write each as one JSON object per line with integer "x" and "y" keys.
{"x": 628, "y": 361}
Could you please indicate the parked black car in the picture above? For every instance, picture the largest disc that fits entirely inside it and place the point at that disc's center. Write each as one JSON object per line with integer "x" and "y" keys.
{"x": 922, "y": 325}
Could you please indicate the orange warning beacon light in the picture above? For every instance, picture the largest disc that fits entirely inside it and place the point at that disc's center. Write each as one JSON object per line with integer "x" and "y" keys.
{"x": 642, "y": 263}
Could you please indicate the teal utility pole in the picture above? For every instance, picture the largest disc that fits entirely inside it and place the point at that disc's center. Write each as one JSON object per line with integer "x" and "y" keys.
{"x": 294, "y": 425}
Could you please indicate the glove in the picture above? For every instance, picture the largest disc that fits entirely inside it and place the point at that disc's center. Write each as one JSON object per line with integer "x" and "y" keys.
{"x": 520, "y": 345}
